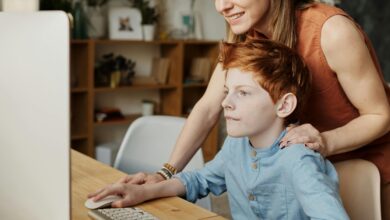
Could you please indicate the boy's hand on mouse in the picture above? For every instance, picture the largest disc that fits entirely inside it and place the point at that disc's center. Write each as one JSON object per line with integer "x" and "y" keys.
{"x": 141, "y": 178}
{"x": 305, "y": 134}
{"x": 131, "y": 194}
{"x": 138, "y": 178}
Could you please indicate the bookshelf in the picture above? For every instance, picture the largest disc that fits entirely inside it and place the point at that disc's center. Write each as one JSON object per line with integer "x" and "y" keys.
{"x": 176, "y": 97}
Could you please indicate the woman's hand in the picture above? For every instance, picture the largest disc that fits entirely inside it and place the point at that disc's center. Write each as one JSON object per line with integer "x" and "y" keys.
{"x": 305, "y": 134}
{"x": 131, "y": 194}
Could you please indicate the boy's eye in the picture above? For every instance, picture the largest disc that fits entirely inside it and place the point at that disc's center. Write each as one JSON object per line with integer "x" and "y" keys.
{"x": 242, "y": 93}
{"x": 225, "y": 91}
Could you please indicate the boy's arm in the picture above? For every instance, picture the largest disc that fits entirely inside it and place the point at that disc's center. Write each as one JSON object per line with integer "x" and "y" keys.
{"x": 316, "y": 191}
{"x": 211, "y": 178}
{"x": 133, "y": 194}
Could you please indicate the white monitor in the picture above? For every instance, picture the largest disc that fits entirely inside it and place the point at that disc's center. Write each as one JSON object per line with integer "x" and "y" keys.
{"x": 34, "y": 116}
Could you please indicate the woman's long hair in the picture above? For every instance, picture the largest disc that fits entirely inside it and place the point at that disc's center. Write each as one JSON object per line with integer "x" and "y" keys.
{"x": 282, "y": 22}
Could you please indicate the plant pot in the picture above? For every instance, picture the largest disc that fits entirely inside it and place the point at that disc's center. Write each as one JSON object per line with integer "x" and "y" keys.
{"x": 148, "y": 32}
{"x": 97, "y": 23}
{"x": 20, "y": 5}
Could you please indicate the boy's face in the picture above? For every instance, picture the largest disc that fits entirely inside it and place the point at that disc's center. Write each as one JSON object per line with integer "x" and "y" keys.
{"x": 248, "y": 108}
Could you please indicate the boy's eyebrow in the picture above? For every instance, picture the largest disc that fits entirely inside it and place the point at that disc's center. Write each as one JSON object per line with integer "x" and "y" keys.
{"x": 239, "y": 86}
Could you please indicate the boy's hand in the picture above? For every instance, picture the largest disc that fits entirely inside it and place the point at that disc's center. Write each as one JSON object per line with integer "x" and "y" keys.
{"x": 132, "y": 194}
{"x": 138, "y": 178}
{"x": 141, "y": 178}
{"x": 305, "y": 134}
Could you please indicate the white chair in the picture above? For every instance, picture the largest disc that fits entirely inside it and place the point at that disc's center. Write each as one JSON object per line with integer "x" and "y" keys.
{"x": 147, "y": 146}
{"x": 360, "y": 189}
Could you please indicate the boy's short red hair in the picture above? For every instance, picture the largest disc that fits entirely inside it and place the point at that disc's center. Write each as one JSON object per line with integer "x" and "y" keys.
{"x": 277, "y": 68}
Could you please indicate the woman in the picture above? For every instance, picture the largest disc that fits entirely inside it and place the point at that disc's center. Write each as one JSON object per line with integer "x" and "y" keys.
{"x": 348, "y": 114}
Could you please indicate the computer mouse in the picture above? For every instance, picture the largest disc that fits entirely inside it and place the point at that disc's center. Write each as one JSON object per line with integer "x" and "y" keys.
{"x": 103, "y": 203}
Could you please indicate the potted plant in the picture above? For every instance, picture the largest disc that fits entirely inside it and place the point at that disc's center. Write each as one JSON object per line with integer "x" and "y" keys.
{"x": 149, "y": 17}
{"x": 113, "y": 71}
{"x": 97, "y": 21}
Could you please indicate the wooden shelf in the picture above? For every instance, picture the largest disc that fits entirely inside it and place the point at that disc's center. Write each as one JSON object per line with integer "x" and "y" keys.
{"x": 79, "y": 41}
{"x": 76, "y": 137}
{"x": 78, "y": 90}
{"x": 175, "y": 98}
{"x": 195, "y": 85}
{"x": 127, "y": 120}
{"x": 133, "y": 87}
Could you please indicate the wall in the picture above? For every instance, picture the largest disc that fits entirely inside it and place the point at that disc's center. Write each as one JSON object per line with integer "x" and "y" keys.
{"x": 374, "y": 17}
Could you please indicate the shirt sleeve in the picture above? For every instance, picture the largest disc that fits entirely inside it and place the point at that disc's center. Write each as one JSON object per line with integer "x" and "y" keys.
{"x": 211, "y": 178}
{"x": 315, "y": 184}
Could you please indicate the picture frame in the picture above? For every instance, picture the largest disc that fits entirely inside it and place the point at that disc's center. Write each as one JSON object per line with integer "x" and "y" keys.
{"x": 125, "y": 24}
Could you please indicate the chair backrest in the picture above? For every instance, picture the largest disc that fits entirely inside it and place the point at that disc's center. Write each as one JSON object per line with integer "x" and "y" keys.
{"x": 148, "y": 143}
{"x": 360, "y": 189}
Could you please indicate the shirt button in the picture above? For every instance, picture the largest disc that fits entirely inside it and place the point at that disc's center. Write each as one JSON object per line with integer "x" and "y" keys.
{"x": 253, "y": 153}
{"x": 254, "y": 166}
{"x": 251, "y": 197}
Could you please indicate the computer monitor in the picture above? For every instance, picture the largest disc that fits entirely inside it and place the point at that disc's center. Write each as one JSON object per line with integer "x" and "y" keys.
{"x": 34, "y": 116}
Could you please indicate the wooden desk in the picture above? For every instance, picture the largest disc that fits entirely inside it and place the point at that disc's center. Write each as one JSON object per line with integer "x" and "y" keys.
{"x": 89, "y": 175}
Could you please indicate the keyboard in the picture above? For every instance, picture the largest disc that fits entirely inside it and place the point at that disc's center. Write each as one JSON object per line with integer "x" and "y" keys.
{"x": 132, "y": 213}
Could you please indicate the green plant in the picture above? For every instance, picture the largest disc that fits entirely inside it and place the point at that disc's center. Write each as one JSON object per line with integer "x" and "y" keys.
{"x": 149, "y": 14}
{"x": 95, "y": 3}
{"x": 110, "y": 64}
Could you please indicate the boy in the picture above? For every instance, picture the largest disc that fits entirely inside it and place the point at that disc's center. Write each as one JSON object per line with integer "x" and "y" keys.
{"x": 265, "y": 88}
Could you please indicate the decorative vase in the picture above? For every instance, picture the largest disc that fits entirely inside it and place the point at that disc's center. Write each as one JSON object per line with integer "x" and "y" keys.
{"x": 97, "y": 23}
{"x": 80, "y": 22}
{"x": 148, "y": 32}
{"x": 115, "y": 79}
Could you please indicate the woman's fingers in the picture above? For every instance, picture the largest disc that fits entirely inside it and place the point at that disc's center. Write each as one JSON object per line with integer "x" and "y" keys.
{"x": 305, "y": 133}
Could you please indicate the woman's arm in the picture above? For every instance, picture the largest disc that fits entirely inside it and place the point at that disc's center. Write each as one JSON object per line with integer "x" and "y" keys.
{"x": 349, "y": 57}
{"x": 200, "y": 121}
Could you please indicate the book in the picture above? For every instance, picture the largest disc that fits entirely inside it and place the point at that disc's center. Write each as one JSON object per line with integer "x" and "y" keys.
{"x": 200, "y": 70}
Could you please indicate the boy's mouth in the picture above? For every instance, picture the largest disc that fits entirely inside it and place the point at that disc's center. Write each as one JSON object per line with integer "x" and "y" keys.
{"x": 230, "y": 118}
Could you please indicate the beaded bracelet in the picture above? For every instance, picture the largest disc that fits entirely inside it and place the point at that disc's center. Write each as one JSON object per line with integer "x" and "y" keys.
{"x": 163, "y": 174}
{"x": 171, "y": 168}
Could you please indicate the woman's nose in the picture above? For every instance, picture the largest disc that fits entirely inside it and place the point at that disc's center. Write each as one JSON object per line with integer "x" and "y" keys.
{"x": 223, "y": 5}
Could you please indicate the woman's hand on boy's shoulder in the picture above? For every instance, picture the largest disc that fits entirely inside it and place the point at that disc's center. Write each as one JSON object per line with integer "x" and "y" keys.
{"x": 305, "y": 134}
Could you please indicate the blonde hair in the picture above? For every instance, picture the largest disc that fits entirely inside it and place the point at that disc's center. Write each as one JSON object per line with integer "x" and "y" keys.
{"x": 282, "y": 22}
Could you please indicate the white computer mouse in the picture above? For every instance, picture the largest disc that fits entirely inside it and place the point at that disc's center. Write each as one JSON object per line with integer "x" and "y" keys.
{"x": 103, "y": 203}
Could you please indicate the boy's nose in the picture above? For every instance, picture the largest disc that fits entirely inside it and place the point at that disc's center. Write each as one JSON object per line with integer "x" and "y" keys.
{"x": 227, "y": 104}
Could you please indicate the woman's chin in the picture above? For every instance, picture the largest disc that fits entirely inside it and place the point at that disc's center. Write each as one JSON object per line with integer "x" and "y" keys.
{"x": 239, "y": 29}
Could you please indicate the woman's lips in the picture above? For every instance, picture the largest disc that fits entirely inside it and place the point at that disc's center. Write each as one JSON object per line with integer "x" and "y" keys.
{"x": 234, "y": 18}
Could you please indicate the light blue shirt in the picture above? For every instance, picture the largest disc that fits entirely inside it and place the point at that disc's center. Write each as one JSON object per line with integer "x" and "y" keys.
{"x": 271, "y": 183}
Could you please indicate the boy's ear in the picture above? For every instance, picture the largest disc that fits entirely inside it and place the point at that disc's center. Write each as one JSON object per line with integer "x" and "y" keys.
{"x": 286, "y": 105}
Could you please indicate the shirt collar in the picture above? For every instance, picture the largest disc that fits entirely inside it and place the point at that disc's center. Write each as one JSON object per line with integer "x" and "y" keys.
{"x": 268, "y": 151}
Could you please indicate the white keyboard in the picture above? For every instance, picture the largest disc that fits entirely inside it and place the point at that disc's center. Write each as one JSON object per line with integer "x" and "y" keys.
{"x": 132, "y": 213}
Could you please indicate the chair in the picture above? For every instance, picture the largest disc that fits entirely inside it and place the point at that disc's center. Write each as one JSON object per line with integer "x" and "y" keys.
{"x": 360, "y": 189}
{"x": 148, "y": 143}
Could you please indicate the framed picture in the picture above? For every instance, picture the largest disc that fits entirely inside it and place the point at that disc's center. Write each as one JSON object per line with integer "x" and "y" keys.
{"x": 125, "y": 23}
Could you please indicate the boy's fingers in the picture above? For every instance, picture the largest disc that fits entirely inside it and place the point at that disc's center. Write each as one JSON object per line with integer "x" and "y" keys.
{"x": 126, "y": 202}
{"x": 95, "y": 193}
{"x": 110, "y": 190}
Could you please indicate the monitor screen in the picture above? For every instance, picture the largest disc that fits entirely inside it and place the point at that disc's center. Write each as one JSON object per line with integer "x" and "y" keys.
{"x": 34, "y": 116}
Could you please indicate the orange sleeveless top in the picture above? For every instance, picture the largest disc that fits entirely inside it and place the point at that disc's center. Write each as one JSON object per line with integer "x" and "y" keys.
{"x": 328, "y": 106}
